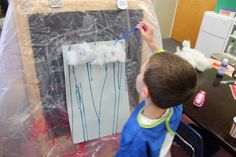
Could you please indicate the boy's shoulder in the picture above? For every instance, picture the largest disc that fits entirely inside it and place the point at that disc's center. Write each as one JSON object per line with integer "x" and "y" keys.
{"x": 175, "y": 119}
{"x": 177, "y": 111}
{"x": 137, "y": 139}
{"x": 133, "y": 127}
{"x": 139, "y": 107}
{"x": 174, "y": 115}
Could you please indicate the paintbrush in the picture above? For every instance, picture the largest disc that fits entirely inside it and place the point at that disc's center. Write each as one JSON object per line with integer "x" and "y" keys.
{"x": 127, "y": 34}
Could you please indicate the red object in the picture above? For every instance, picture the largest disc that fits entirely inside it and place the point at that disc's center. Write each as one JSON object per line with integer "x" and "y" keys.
{"x": 216, "y": 64}
{"x": 199, "y": 98}
{"x": 233, "y": 90}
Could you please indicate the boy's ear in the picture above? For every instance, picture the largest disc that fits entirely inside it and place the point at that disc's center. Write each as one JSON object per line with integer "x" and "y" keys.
{"x": 145, "y": 92}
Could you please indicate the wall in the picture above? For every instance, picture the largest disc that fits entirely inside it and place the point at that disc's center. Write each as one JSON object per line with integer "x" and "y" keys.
{"x": 165, "y": 10}
{"x": 188, "y": 19}
{"x": 225, "y": 4}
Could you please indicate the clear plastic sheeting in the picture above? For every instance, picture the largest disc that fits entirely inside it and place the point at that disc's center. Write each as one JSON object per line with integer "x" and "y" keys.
{"x": 33, "y": 114}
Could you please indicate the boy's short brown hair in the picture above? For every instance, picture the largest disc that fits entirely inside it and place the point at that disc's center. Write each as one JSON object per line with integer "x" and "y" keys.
{"x": 170, "y": 80}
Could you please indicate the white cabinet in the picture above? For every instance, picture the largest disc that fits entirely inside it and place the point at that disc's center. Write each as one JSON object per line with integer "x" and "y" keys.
{"x": 214, "y": 33}
{"x": 208, "y": 43}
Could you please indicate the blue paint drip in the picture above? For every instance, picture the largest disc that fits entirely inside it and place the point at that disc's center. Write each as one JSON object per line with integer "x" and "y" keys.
{"x": 114, "y": 111}
{"x": 78, "y": 97}
{"x": 91, "y": 74}
{"x": 83, "y": 109}
{"x": 100, "y": 104}
{"x": 125, "y": 77}
{"x": 78, "y": 102}
{"x": 81, "y": 114}
{"x": 91, "y": 93}
{"x": 120, "y": 69}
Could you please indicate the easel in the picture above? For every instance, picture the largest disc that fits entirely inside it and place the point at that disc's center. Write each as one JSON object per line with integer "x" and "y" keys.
{"x": 22, "y": 11}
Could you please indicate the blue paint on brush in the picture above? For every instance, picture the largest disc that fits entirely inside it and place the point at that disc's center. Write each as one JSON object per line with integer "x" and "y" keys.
{"x": 126, "y": 34}
{"x": 120, "y": 67}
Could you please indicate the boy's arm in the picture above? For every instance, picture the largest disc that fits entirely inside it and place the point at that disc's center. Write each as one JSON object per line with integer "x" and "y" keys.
{"x": 147, "y": 32}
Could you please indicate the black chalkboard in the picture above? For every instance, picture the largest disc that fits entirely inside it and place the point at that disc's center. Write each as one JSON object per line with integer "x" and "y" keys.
{"x": 50, "y": 31}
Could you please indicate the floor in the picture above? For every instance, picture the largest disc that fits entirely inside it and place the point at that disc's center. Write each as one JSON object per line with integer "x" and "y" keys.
{"x": 170, "y": 45}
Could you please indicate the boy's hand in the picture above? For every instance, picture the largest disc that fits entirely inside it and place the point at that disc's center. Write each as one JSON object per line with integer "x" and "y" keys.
{"x": 147, "y": 32}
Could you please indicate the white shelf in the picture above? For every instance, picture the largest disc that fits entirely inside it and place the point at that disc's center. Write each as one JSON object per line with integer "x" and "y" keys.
{"x": 215, "y": 33}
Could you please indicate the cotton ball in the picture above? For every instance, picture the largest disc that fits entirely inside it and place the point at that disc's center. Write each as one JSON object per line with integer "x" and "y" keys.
{"x": 120, "y": 52}
{"x": 110, "y": 54}
{"x": 81, "y": 55}
{"x": 194, "y": 57}
{"x": 178, "y": 50}
{"x": 99, "y": 55}
{"x": 72, "y": 57}
{"x": 186, "y": 43}
{"x": 202, "y": 62}
{"x": 187, "y": 57}
{"x": 85, "y": 53}
{"x": 114, "y": 53}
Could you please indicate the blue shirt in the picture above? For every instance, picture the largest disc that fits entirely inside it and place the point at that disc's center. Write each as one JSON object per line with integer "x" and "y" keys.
{"x": 139, "y": 140}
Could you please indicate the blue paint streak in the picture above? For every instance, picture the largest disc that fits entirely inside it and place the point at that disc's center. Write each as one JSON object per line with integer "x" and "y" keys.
{"x": 114, "y": 111}
{"x": 120, "y": 69}
{"x": 91, "y": 93}
{"x": 81, "y": 116}
{"x": 100, "y": 104}
{"x": 91, "y": 74}
{"x": 83, "y": 109}
{"x": 125, "y": 77}
{"x": 78, "y": 101}
{"x": 126, "y": 34}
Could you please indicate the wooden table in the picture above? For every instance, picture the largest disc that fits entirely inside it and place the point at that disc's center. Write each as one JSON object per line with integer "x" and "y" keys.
{"x": 216, "y": 114}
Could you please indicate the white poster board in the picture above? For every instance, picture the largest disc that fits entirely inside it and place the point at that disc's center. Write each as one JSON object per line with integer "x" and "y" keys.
{"x": 97, "y": 97}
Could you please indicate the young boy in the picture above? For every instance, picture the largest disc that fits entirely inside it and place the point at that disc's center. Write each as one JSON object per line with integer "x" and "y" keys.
{"x": 164, "y": 82}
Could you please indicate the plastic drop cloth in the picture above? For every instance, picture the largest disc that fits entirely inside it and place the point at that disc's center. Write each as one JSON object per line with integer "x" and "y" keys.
{"x": 33, "y": 115}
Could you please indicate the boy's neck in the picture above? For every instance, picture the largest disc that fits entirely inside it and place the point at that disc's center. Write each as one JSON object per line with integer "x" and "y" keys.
{"x": 151, "y": 111}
